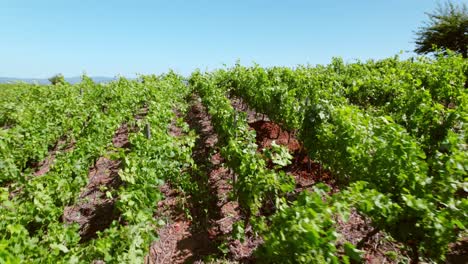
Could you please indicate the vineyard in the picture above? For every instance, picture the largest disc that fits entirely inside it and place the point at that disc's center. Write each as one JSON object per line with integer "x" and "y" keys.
{"x": 361, "y": 162}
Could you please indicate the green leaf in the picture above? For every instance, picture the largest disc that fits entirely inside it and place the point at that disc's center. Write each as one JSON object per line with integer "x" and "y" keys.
{"x": 352, "y": 252}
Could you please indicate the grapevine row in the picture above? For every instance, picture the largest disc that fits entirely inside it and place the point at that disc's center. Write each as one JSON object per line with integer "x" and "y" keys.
{"x": 29, "y": 222}
{"x": 381, "y": 160}
{"x": 256, "y": 185}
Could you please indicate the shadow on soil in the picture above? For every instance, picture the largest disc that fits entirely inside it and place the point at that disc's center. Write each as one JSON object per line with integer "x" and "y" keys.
{"x": 205, "y": 237}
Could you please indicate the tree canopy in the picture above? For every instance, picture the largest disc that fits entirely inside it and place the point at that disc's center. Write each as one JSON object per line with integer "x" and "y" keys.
{"x": 57, "y": 79}
{"x": 447, "y": 29}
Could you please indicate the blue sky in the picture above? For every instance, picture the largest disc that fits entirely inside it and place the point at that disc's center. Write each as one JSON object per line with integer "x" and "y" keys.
{"x": 106, "y": 38}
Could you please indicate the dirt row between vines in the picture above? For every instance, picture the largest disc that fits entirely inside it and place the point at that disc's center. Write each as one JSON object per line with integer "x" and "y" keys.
{"x": 307, "y": 173}
{"x": 205, "y": 235}
{"x": 94, "y": 211}
{"x": 199, "y": 238}
{"x": 358, "y": 229}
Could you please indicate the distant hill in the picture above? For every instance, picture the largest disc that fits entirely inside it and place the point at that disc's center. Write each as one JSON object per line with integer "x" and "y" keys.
{"x": 72, "y": 80}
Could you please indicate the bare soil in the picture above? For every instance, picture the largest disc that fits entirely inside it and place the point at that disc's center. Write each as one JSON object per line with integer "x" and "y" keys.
{"x": 458, "y": 253}
{"x": 357, "y": 230}
{"x": 307, "y": 173}
{"x": 94, "y": 210}
{"x": 212, "y": 212}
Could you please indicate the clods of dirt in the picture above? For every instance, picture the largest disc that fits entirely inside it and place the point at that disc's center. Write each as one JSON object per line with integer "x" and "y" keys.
{"x": 267, "y": 132}
{"x": 305, "y": 171}
{"x": 94, "y": 211}
{"x": 212, "y": 212}
{"x": 175, "y": 130}
{"x": 458, "y": 252}
{"x": 378, "y": 247}
{"x": 176, "y": 229}
{"x": 120, "y": 139}
{"x": 358, "y": 230}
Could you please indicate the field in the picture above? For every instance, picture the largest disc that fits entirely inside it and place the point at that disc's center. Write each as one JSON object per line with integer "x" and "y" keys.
{"x": 363, "y": 162}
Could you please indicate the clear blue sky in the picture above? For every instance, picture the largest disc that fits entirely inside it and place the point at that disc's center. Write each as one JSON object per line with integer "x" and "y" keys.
{"x": 105, "y": 38}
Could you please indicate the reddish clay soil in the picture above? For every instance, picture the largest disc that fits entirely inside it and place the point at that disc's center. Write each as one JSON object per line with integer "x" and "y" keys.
{"x": 175, "y": 130}
{"x": 94, "y": 211}
{"x": 220, "y": 178}
{"x": 305, "y": 171}
{"x": 357, "y": 230}
{"x": 252, "y": 115}
{"x": 177, "y": 229}
{"x": 212, "y": 212}
{"x": 181, "y": 240}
